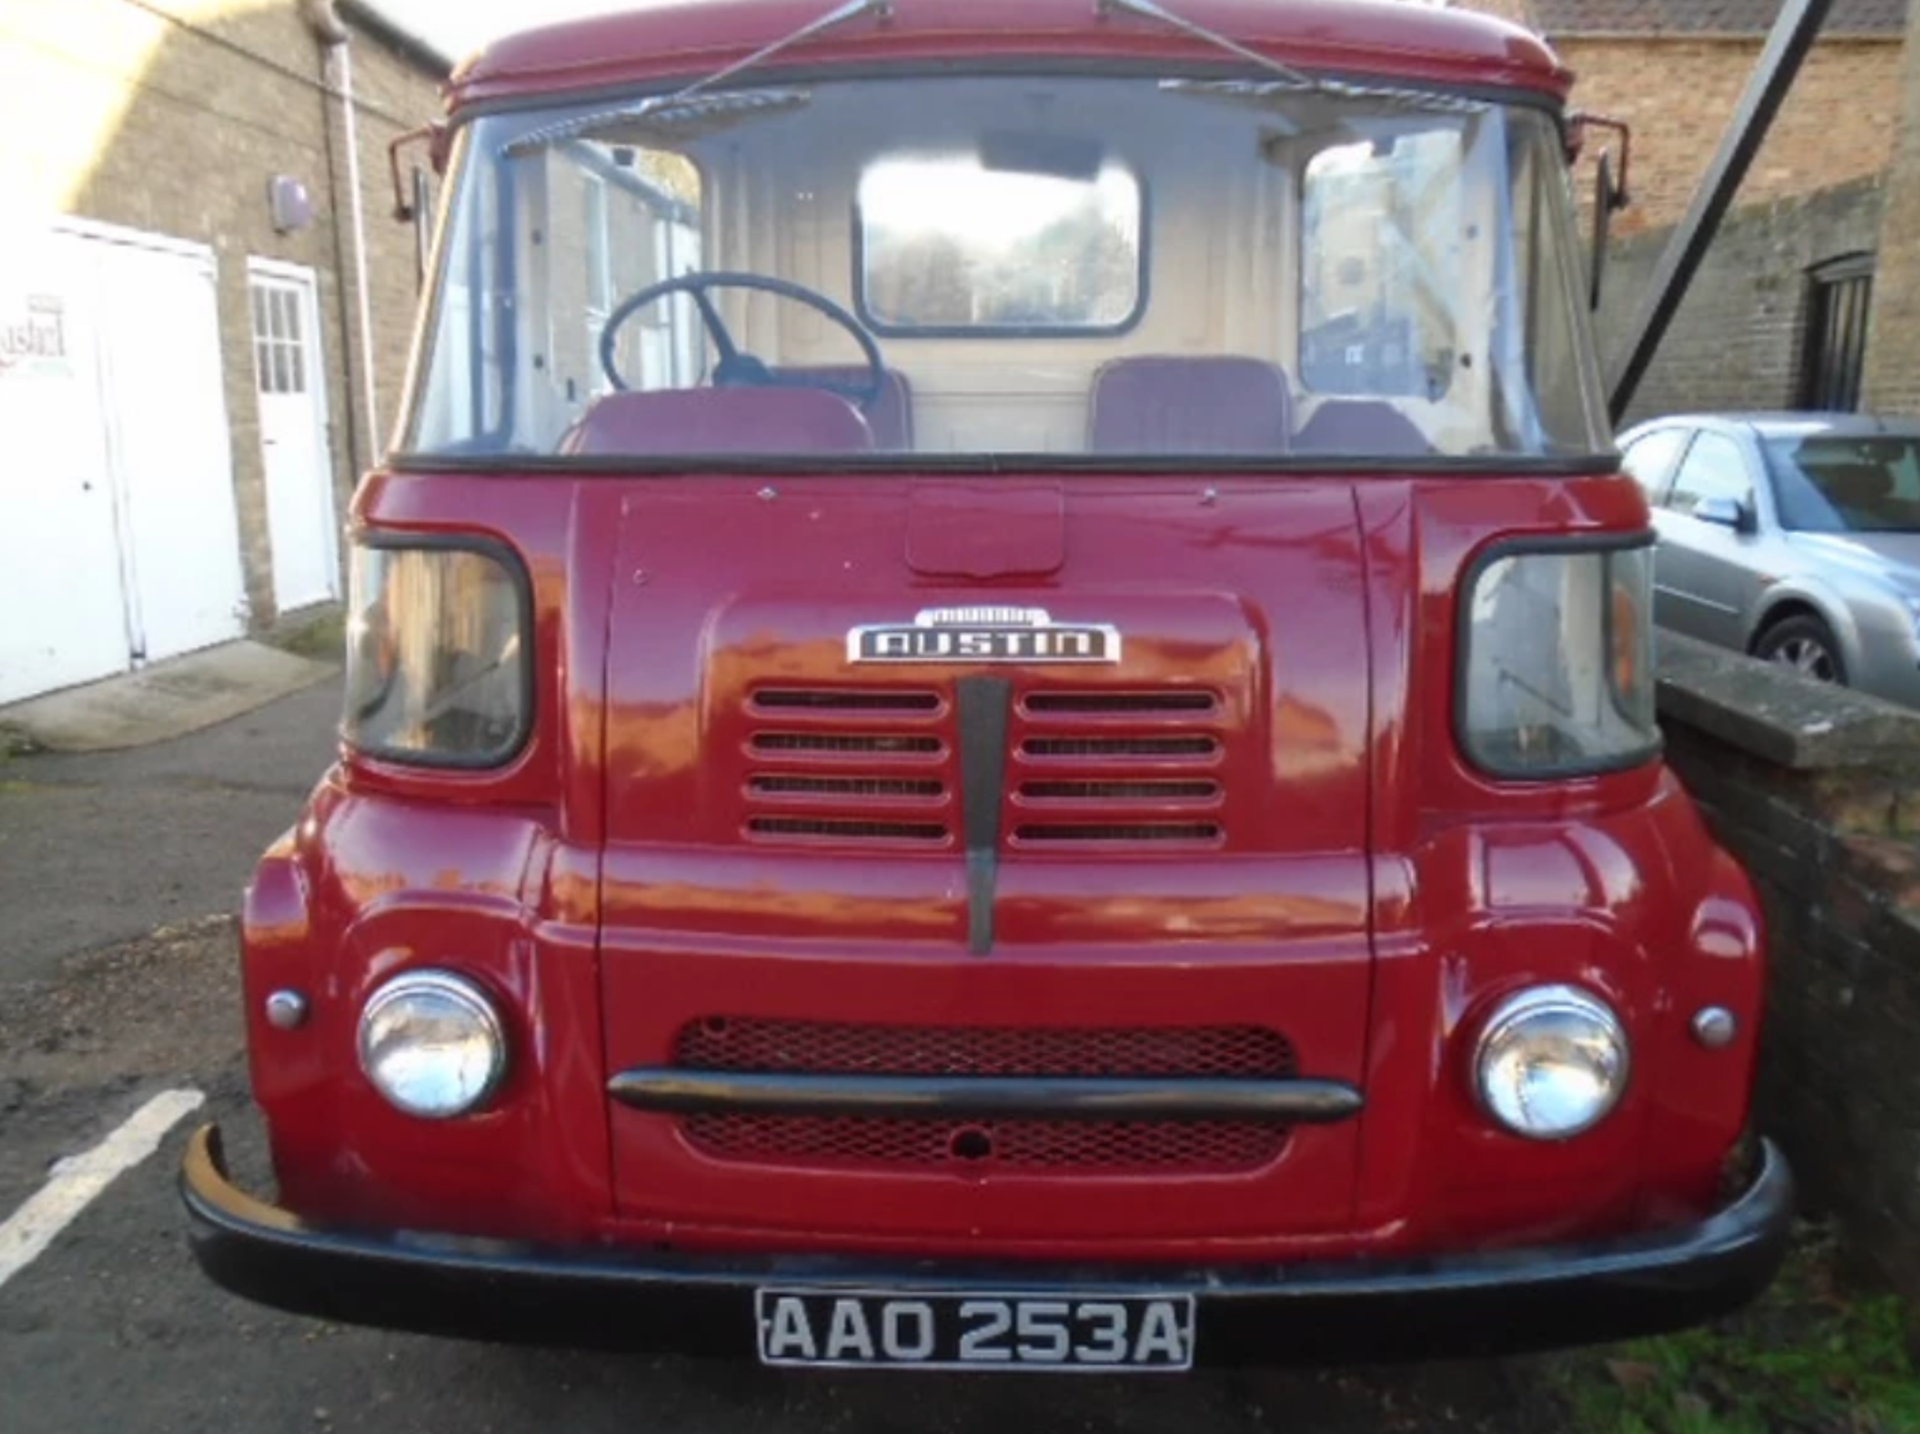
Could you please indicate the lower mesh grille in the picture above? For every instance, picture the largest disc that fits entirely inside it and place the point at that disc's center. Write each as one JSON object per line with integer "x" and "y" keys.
{"x": 1115, "y": 1147}
{"x": 1111, "y": 1146}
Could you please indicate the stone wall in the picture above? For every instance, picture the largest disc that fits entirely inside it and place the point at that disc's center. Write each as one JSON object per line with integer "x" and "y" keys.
{"x": 1817, "y": 792}
{"x": 1738, "y": 340}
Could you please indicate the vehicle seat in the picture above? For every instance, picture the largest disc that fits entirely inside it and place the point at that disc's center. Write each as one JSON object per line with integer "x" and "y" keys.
{"x": 1859, "y": 487}
{"x": 719, "y": 420}
{"x": 1212, "y": 404}
{"x": 890, "y": 418}
{"x": 1361, "y": 428}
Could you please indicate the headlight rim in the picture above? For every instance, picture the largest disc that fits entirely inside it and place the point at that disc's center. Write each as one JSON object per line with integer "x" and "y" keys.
{"x": 464, "y": 990}
{"x": 1533, "y": 1001}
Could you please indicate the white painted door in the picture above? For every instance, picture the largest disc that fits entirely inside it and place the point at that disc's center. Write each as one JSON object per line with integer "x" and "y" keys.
{"x": 63, "y": 615}
{"x": 301, "y": 518}
{"x": 172, "y": 450}
{"x": 119, "y": 540}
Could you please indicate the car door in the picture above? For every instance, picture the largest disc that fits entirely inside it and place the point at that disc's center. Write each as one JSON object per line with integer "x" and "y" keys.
{"x": 1705, "y": 567}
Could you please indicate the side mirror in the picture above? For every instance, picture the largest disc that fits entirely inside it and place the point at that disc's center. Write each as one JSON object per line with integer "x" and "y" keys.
{"x": 413, "y": 195}
{"x": 1726, "y": 512}
{"x": 439, "y": 142}
{"x": 1610, "y": 189}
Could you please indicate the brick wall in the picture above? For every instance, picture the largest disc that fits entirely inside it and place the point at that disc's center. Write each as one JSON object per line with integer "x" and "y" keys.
{"x": 1737, "y": 341}
{"x": 1893, "y": 343}
{"x": 1817, "y": 792}
{"x": 171, "y": 117}
{"x": 1678, "y": 93}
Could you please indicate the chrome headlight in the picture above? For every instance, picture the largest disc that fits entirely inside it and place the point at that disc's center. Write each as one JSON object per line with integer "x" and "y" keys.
{"x": 433, "y": 1045}
{"x": 1551, "y": 1063}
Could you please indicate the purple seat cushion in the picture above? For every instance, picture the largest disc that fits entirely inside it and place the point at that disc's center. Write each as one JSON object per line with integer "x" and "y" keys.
{"x": 1361, "y": 428}
{"x": 890, "y": 418}
{"x": 1216, "y": 404}
{"x": 719, "y": 420}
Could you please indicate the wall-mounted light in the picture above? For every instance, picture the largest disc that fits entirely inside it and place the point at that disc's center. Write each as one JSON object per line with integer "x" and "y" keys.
{"x": 289, "y": 203}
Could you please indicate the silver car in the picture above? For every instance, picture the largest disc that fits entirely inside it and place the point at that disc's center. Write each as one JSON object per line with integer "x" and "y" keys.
{"x": 1793, "y": 536}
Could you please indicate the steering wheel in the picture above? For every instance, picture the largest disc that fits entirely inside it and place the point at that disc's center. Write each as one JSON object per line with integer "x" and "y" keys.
{"x": 742, "y": 370}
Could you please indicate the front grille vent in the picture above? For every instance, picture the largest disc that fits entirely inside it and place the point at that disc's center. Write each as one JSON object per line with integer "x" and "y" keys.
{"x": 1202, "y": 833}
{"x": 835, "y": 700}
{"x": 836, "y": 743}
{"x": 833, "y": 829}
{"x": 1121, "y": 704}
{"x": 780, "y": 786}
{"x": 1094, "y": 791}
{"x": 1044, "y": 748}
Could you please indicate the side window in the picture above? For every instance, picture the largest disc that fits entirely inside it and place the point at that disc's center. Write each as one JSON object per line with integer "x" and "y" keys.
{"x": 1715, "y": 467}
{"x": 1381, "y": 226}
{"x": 1649, "y": 461}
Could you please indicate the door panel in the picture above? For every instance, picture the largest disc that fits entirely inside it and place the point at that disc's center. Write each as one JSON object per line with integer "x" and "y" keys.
{"x": 301, "y": 516}
{"x": 173, "y": 449}
{"x": 60, "y": 584}
{"x": 1705, "y": 570}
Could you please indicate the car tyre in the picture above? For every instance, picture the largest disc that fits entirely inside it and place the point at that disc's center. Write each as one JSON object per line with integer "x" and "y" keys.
{"x": 1807, "y": 645}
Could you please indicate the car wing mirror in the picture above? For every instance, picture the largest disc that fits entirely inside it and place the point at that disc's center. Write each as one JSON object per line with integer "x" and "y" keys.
{"x": 1610, "y": 189}
{"x": 1726, "y": 512}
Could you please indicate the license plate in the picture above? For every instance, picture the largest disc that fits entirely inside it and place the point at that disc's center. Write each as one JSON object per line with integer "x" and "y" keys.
{"x": 847, "y": 1329}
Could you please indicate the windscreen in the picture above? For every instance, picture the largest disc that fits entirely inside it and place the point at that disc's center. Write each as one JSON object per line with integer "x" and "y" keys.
{"x": 1026, "y": 265}
{"x": 1846, "y": 484}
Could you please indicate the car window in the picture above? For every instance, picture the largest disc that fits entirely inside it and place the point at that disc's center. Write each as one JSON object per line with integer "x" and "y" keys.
{"x": 1835, "y": 483}
{"x": 1715, "y": 467}
{"x": 1648, "y": 460}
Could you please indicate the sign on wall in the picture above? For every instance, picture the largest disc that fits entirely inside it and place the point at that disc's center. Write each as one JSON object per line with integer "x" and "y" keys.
{"x": 33, "y": 337}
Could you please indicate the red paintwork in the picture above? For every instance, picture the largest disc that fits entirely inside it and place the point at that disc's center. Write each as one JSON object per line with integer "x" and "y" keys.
{"x": 1373, "y": 896}
{"x": 1372, "y": 37}
{"x": 1370, "y": 895}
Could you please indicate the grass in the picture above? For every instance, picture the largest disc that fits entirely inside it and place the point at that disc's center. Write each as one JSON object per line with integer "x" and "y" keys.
{"x": 15, "y": 743}
{"x": 322, "y": 638}
{"x": 1808, "y": 1357}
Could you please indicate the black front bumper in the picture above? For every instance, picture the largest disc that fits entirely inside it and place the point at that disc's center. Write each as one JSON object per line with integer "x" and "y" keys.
{"x": 1355, "y": 1310}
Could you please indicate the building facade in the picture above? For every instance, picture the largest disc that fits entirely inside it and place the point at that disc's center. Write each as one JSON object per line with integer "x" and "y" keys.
{"x": 1783, "y": 312}
{"x": 187, "y": 386}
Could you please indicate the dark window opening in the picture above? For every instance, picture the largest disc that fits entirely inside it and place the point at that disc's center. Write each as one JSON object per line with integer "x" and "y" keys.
{"x": 1838, "y": 303}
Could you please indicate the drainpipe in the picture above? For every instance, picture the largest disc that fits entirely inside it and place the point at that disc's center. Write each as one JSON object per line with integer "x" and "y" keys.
{"x": 333, "y": 33}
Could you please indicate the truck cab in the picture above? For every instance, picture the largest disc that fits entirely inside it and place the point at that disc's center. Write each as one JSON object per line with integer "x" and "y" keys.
{"x": 1000, "y": 714}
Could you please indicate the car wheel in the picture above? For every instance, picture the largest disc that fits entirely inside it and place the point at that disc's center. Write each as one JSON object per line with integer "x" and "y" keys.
{"x": 1807, "y": 645}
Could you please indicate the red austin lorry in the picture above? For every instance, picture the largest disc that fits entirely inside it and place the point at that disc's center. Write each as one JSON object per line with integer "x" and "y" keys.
{"x": 1000, "y": 715}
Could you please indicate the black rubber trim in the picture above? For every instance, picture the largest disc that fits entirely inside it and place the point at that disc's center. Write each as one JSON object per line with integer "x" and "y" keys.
{"x": 676, "y": 1091}
{"x": 1542, "y": 545}
{"x": 1426, "y": 1306}
{"x": 1005, "y": 466}
{"x": 985, "y": 706}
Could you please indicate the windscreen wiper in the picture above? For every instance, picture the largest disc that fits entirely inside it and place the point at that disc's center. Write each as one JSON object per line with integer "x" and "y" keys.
{"x": 1153, "y": 10}
{"x": 683, "y": 100}
{"x": 1289, "y": 78}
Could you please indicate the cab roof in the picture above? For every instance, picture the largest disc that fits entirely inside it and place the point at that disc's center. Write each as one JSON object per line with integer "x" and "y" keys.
{"x": 688, "y": 39}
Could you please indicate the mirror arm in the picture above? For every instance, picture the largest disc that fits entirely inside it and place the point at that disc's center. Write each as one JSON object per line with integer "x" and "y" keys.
{"x": 435, "y": 137}
{"x": 1619, "y": 194}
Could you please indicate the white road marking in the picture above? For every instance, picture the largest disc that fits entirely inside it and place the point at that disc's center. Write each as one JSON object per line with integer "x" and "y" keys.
{"x": 78, "y": 1181}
